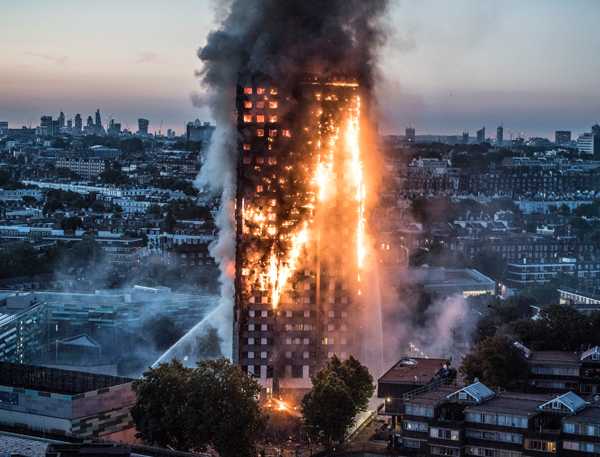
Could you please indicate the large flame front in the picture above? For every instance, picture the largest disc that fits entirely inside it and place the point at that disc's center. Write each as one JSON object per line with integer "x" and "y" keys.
{"x": 336, "y": 150}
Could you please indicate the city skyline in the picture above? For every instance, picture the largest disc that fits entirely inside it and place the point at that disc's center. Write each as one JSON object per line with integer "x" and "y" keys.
{"x": 446, "y": 67}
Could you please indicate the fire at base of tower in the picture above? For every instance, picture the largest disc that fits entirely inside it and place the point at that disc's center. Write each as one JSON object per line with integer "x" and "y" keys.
{"x": 300, "y": 241}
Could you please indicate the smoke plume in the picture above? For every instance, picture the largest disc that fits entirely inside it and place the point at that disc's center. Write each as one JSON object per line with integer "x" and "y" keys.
{"x": 281, "y": 40}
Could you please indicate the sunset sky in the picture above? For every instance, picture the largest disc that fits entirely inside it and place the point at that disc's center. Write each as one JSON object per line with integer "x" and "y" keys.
{"x": 448, "y": 65}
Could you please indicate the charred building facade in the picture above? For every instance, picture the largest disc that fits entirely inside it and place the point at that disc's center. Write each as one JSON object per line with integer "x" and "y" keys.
{"x": 299, "y": 228}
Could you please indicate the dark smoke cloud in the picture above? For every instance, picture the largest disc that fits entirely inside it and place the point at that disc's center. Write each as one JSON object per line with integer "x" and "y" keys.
{"x": 286, "y": 39}
{"x": 282, "y": 40}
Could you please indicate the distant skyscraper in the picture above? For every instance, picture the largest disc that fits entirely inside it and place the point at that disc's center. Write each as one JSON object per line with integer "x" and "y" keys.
{"x": 500, "y": 136}
{"x": 90, "y": 121}
{"x": 143, "y": 125}
{"x": 465, "y": 138}
{"x": 46, "y": 125}
{"x": 562, "y": 136}
{"x": 98, "y": 119}
{"x": 61, "y": 120}
{"x": 410, "y": 134}
{"x": 70, "y": 125}
{"x": 196, "y": 132}
{"x": 78, "y": 123}
{"x": 481, "y": 136}
{"x": 3, "y": 127}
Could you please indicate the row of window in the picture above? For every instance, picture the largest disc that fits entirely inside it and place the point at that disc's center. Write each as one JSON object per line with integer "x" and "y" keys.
{"x": 581, "y": 447}
{"x": 471, "y": 450}
{"x": 260, "y": 105}
{"x": 494, "y": 436}
{"x": 444, "y": 434}
{"x": 259, "y": 91}
{"x": 260, "y": 119}
{"x": 259, "y": 160}
{"x": 581, "y": 429}
{"x": 508, "y": 421}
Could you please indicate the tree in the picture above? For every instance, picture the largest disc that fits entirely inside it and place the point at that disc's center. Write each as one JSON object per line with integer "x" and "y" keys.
{"x": 223, "y": 410}
{"x": 189, "y": 409}
{"x": 328, "y": 410}
{"x": 159, "y": 410}
{"x": 71, "y": 223}
{"x": 564, "y": 210}
{"x": 497, "y": 362}
{"x": 155, "y": 209}
{"x": 340, "y": 390}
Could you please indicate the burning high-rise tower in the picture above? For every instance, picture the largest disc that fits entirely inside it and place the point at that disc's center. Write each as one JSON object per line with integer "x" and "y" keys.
{"x": 299, "y": 227}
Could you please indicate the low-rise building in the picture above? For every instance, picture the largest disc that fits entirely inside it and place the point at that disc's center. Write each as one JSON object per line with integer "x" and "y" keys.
{"x": 82, "y": 404}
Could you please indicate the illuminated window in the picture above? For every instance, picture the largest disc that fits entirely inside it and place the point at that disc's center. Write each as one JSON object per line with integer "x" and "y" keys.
{"x": 272, "y": 217}
{"x": 248, "y": 118}
{"x": 260, "y": 119}
{"x": 260, "y": 160}
{"x": 247, "y": 104}
{"x": 246, "y": 146}
{"x": 285, "y": 133}
{"x": 272, "y": 132}
{"x": 248, "y": 90}
{"x": 273, "y": 91}
{"x": 260, "y": 105}
{"x": 246, "y": 272}
{"x": 260, "y": 132}
{"x": 259, "y": 188}
{"x": 272, "y": 118}
{"x": 272, "y": 160}
{"x": 260, "y": 90}
{"x": 272, "y": 105}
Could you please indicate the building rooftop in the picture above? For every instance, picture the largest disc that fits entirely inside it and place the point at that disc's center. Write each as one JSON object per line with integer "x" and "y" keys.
{"x": 54, "y": 380}
{"x": 517, "y": 404}
{"x": 411, "y": 370}
{"x": 555, "y": 358}
{"x": 591, "y": 414}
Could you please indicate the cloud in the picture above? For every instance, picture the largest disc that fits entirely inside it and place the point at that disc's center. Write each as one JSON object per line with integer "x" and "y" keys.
{"x": 60, "y": 60}
{"x": 144, "y": 57}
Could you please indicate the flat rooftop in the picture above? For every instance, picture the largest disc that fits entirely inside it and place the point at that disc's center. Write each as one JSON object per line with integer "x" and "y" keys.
{"x": 434, "y": 397}
{"x": 590, "y": 414}
{"x": 414, "y": 369}
{"x": 555, "y": 358}
{"x": 516, "y": 404}
{"x": 54, "y": 380}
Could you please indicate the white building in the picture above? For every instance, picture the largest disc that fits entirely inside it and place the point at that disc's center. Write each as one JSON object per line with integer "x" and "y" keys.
{"x": 585, "y": 143}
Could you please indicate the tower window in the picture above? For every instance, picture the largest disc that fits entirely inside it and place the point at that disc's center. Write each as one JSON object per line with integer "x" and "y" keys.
{"x": 272, "y": 105}
{"x": 248, "y": 118}
{"x": 246, "y": 146}
{"x": 273, "y": 91}
{"x": 248, "y": 90}
{"x": 260, "y": 105}
{"x": 260, "y": 90}
{"x": 260, "y": 132}
{"x": 272, "y": 132}
{"x": 247, "y": 104}
{"x": 272, "y": 118}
